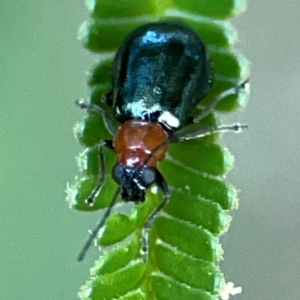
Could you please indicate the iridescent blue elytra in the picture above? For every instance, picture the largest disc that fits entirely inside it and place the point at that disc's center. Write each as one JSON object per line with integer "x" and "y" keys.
{"x": 160, "y": 73}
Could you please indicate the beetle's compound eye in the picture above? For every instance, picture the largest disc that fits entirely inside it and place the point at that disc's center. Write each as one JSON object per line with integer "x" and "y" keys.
{"x": 148, "y": 176}
{"x": 117, "y": 173}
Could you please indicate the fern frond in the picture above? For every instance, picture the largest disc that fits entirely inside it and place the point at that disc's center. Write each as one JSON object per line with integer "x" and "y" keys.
{"x": 184, "y": 245}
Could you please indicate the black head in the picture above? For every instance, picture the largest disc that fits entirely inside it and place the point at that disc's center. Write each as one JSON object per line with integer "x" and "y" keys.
{"x": 134, "y": 181}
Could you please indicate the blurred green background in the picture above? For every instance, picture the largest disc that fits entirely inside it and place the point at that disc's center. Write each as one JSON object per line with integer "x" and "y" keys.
{"x": 42, "y": 72}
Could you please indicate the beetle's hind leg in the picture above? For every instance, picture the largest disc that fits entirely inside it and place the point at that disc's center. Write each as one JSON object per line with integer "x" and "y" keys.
{"x": 209, "y": 108}
{"x": 209, "y": 130}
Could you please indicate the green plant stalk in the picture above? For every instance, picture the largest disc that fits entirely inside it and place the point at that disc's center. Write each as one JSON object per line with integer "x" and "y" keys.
{"x": 184, "y": 246}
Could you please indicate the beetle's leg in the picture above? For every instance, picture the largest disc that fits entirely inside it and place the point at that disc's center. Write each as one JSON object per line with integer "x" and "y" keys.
{"x": 161, "y": 183}
{"x": 209, "y": 109}
{"x": 237, "y": 128}
{"x": 97, "y": 109}
{"x": 91, "y": 198}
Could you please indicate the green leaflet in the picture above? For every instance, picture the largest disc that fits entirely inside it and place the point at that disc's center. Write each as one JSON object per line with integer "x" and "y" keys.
{"x": 184, "y": 246}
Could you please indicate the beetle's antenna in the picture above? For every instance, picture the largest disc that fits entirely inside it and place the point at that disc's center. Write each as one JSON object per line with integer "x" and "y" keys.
{"x": 99, "y": 225}
{"x": 165, "y": 142}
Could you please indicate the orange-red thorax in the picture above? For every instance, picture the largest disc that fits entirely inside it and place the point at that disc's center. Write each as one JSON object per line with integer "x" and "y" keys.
{"x": 136, "y": 139}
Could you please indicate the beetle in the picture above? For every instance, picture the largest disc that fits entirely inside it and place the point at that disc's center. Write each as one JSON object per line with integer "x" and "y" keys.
{"x": 160, "y": 73}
